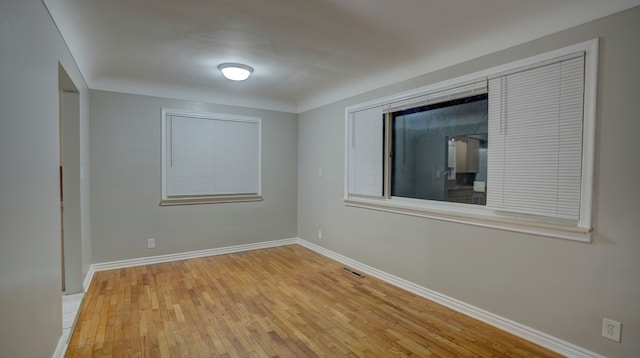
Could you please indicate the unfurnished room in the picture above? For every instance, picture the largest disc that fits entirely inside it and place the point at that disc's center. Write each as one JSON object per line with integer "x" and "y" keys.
{"x": 322, "y": 178}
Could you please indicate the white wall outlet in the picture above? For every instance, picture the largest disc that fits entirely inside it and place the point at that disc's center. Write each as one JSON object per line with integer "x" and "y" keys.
{"x": 320, "y": 234}
{"x": 151, "y": 243}
{"x": 320, "y": 172}
{"x": 611, "y": 329}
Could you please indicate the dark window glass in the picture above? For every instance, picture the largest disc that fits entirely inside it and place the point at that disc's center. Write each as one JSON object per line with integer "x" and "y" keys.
{"x": 439, "y": 152}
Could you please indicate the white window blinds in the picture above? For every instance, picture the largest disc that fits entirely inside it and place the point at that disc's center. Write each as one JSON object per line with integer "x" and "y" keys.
{"x": 211, "y": 156}
{"x": 535, "y": 140}
{"x": 365, "y": 148}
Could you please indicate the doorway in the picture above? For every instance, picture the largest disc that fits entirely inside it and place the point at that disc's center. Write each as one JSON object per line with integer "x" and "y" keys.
{"x": 70, "y": 176}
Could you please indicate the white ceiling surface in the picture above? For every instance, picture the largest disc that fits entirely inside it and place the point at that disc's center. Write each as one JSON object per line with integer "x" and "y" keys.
{"x": 305, "y": 53}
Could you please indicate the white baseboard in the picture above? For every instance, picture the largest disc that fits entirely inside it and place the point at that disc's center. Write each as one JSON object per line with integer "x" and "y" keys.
{"x": 533, "y": 335}
{"x": 530, "y": 334}
{"x": 180, "y": 256}
{"x": 61, "y": 348}
{"x": 87, "y": 279}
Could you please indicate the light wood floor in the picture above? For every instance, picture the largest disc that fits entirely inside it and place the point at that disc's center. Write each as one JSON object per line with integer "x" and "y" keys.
{"x": 280, "y": 302}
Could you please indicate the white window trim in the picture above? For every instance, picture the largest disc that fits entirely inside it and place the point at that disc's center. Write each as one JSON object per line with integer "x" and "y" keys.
{"x": 206, "y": 199}
{"x": 481, "y": 216}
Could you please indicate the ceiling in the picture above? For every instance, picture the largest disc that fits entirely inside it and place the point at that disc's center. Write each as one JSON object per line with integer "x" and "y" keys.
{"x": 305, "y": 53}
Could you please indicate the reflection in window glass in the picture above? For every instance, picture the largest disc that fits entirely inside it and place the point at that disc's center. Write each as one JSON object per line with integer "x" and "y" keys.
{"x": 439, "y": 151}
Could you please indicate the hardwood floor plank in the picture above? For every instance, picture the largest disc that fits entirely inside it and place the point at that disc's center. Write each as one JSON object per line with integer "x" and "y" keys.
{"x": 279, "y": 302}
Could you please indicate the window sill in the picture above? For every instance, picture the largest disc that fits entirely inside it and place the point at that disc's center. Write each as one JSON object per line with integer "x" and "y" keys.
{"x": 210, "y": 200}
{"x": 477, "y": 217}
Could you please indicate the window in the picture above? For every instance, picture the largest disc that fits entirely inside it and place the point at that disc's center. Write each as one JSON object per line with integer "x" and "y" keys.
{"x": 439, "y": 151}
{"x": 209, "y": 158}
{"x": 510, "y": 147}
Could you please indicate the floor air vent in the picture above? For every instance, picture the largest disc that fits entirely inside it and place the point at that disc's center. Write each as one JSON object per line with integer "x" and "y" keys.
{"x": 350, "y": 271}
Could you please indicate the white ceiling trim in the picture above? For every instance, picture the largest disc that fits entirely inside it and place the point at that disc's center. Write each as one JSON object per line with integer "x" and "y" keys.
{"x": 188, "y": 93}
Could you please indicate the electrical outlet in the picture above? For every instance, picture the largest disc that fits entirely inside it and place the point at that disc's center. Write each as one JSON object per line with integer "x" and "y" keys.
{"x": 320, "y": 234}
{"x": 151, "y": 243}
{"x": 611, "y": 329}
{"x": 320, "y": 172}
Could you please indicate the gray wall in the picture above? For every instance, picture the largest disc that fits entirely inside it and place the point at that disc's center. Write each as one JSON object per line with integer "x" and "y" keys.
{"x": 125, "y": 183}
{"x": 30, "y": 265}
{"x": 560, "y": 287}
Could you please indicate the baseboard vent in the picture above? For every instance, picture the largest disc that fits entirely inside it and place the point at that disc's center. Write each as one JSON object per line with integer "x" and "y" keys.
{"x": 350, "y": 271}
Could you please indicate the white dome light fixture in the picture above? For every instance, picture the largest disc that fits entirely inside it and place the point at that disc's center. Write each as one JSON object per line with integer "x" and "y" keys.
{"x": 235, "y": 71}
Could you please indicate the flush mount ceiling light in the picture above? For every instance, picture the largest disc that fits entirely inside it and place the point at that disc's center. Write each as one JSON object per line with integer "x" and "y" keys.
{"x": 235, "y": 71}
